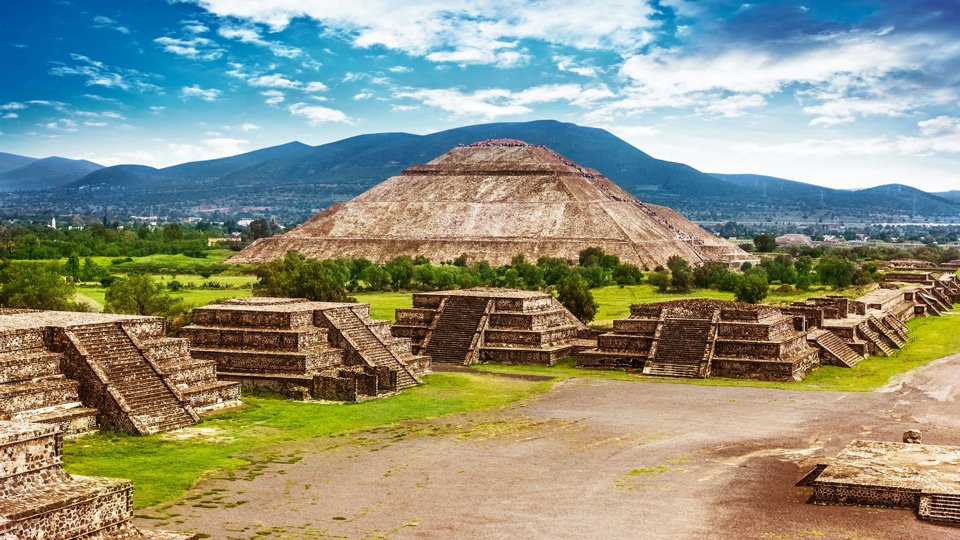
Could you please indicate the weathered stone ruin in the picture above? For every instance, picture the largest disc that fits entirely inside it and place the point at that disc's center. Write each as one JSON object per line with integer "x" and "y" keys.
{"x": 84, "y": 370}
{"x": 932, "y": 295}
{"x": 699, "y": 338}
{"x": 323, "y": 350}
{"x": 39, "y": 500}
{"x": 922, "y": 477}
{"x": 493, "y": 200}
{"x": 490, "y": 325}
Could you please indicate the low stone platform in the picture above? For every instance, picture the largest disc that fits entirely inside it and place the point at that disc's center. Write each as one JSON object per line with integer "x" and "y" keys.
{"x": 902, "y": 475}
{"x": 39, "y": 500}
{"x": 491, "y": 325}
{"x": 322, "y": 350}
{"x": 698, "y": 338}
{"x": 120, "y": 372}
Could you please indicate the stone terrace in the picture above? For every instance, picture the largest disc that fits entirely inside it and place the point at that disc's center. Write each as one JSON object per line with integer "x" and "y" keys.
{"x": 81, "y": 370}
{"x": 490, "y": 325}
{"x": 697, "y": 338}
{"x": 39, "y": 500}
{"x": 901, "y": 475}
{"x": 322, "y": 350}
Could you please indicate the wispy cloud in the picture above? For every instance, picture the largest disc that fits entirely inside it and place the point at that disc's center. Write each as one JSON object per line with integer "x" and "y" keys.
{"x": 194, "y": 48}
{"x": 106, "y": 22}
{"x": 274, "y": 97}
{"x": 497, "y": 102}
{"x": 210, "y": 94}
{"x": 99, "y": 74}
{"x": 248, "y": 34}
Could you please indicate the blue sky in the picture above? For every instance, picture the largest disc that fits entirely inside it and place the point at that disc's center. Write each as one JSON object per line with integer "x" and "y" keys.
{"x": 843, "y": 94}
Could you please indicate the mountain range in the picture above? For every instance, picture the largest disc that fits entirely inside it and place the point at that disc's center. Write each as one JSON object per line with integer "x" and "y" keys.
{"x": 296, "y": 179}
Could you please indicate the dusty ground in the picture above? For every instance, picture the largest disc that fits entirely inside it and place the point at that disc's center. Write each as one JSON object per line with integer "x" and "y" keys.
{"x": 591, "y": 459}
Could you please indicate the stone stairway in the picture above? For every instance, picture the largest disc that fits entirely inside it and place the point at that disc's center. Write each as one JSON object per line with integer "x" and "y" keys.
{"x": 940, "y": 507}
{"x": 897, "y": 326}
{"x": 369, "y": 346}
{"x": 874, "y": 338}
{"x": 892, "y": 337}
{"x": 836, "y": 348}
{"x": 681, "y": 348}
{"x": 459, "y": 321}
{"x": 154, "y": 407}
{"x": 932, "y": 303}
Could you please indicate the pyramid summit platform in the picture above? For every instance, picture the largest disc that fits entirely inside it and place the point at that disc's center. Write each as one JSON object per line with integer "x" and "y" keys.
{"x": 490, "y": 201}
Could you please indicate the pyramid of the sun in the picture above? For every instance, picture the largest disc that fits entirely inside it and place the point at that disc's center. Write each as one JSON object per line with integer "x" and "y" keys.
{"x": 493, "y": 200}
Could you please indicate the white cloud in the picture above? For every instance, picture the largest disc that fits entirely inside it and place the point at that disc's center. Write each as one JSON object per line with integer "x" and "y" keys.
{"x": 99, "y": 74}
{"x": 195, "y": 91}
{"x": 317, "y": 115}
{"x": 63, "y": 124}
{"x": 10, "y": 115}
{"x": 311, "y": 64}
{"x": 273, "y": 81}
{"x": 12, "y": 106}
{"x": 401, "y": 69}
{"x": 251, "y": 35}
{"x": 844, "y": 110}
{"x": 212, "y": 148}
{"x": 95, "y": 124}
{"x": 194, "y": 27}
{"x": 466, "y": 32}
{"x": 733, "y": 106}
{"x": 194, "y": 48}
{"x": 566, "y": 63}
{"x": 941, "y": 134}
{"x": 273, "y": 97}
{"x": 496, "y": 102}
{"x": 363, "y": 95}
{"x": 314, "y": 87}
{"x": 107, "y": 22}
{"x": 248, "y": 127}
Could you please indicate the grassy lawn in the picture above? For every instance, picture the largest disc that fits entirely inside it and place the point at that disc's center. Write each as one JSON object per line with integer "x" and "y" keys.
{"x": 384, "y": 305}
{"x": 193, "y": 297}
{"x": 615, "y": 301}
{"x": 164, "y": 469}
{"x": 930, "y": 338}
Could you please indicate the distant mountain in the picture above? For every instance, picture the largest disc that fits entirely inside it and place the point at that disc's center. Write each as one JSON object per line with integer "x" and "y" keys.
{"x": 953, "y": 195}
{"x": 296, "y": 179}
{"x": 46, "y": 173}
{"x": 889, "y": 199}
{"x": 8, "y": 162}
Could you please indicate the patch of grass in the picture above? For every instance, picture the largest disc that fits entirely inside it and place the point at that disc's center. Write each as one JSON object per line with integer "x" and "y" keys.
{"x": 930, "y": 338}
{"x": 384, "y": 305}
{"x": 163, "y": 469}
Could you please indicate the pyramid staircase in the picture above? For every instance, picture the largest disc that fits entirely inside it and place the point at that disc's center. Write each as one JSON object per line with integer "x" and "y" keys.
{"x": 897, "y": 326}
{"x": 934, "y": 306}
{"x": 893, "y": 338}
{"x": 940, "y": 507}
{"x": 681, "y": 347}
{"x": 873, "y": 337}
{"x": 835, "y": 348}
{"x": 150, "y": 403}
{"x": 368, "y": 345}
{"x": 455, "y": 333}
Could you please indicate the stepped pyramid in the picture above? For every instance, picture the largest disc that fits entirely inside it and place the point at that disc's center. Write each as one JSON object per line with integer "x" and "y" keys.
{"x": 493, "y": 200}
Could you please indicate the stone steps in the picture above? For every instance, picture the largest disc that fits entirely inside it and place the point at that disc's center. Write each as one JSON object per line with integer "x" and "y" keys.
{"x": 941, "y": 507}
{"x": 892, "y": 337}
{"x": 874, "y": 338}
{"x": 36, "y": 394}
{"x": 129, "y": 373}
{"x": 836, "y": 348}
{"x": 897, "y": 326}
{"x": 369, "y": 346}
{"x": 459, "y": 322}
{"x": 681, "y": 348}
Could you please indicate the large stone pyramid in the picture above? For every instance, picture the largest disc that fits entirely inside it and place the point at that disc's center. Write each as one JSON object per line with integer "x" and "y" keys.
{"x": 492, "y": 200}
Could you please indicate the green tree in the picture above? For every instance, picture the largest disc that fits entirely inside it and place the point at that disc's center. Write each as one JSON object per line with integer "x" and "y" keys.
{"x": 627, "y": 274}
{"x": 591, "y": 256}
{"x": 836, "y": 271}
{"x": 259, "y": 228}
{"x": 709, "y": 274}
{"x": 575, "y": 295}
{"x": 31, "y": 286}
{"x": 765, "y": 243}
{"x": 401, "y": 270}
{"x": 660, "y": 279}
{"x": 376, "y": 278}
{"x": 139, "y": 294}
{"x": 72, "y": 268}
{"x": 172, "y": 232}
{"x": 751, "y": 289}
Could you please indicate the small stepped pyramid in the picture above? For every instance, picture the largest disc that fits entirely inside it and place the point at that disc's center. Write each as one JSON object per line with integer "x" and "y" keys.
{"x": 892, "y": 337}
{"x": 369, "y": 345}
{"x": 933, "y": 305}
{"x": 835, "y": 348}
{"x": 461, "y": 318}
{"x": 681, "y": 348}
{"x": 153, "y": 405}
{"x": 874, "y": 338}
{"x": 39, "y": 500}
{"x": 940, "y": 507}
